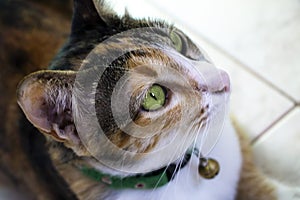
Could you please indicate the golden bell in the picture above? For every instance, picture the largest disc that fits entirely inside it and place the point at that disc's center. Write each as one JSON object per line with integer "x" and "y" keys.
{"x": 208, "y": 168}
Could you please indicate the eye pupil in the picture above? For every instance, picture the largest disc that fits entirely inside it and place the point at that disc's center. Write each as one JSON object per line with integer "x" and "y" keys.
{"x": 153, "y": 96}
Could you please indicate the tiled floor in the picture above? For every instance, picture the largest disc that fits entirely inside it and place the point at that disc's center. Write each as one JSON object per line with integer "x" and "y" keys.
{"x": 258, "y": 43}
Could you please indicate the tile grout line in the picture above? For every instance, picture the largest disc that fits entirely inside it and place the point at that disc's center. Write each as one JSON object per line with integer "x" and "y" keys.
{"x": 280, "y": 118}
{"x": 228, "y": 55}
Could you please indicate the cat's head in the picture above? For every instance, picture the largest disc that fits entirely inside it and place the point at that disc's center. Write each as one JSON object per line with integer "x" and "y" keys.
{"x": 125, "y": 94}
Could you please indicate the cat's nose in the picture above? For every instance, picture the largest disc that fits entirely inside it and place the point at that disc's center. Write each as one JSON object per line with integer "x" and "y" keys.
{"x": 224, "y": 81}
{"x": 220, "y": 82}
{"x": 215, "y": 81}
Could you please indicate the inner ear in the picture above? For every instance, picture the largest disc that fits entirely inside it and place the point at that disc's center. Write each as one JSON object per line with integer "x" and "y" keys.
{"x": 46, "y": 99}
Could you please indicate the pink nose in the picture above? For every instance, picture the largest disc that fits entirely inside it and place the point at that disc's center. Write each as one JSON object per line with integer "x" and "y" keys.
{"x": 224, "y": 81}
{"x": 215, "y": 80}
{"x": 210, "y": 78}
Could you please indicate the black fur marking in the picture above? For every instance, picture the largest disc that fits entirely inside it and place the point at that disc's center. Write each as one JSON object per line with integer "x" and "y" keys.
{"x": 85, "y": 17}
{"x": 104, "y": 92}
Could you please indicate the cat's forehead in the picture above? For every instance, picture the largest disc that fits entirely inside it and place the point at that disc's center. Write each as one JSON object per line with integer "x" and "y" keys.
{"x": 162, "y": 67}
{"x": 151, "y": 46}
{"x": 137, "y": 59}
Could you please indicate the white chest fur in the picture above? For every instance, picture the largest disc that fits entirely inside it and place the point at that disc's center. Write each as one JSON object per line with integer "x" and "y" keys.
{"x": 189, "y": 185}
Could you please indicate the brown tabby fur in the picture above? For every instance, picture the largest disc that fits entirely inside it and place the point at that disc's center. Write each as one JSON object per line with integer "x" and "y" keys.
{"x": 28, "y": 41}
{"x": 252, "y": 185}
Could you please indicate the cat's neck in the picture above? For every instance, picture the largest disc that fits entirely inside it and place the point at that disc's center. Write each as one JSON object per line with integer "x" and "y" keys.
{"x": 186, "y": 185}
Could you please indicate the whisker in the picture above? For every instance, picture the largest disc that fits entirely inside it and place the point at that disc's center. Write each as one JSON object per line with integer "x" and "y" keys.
{"x": 182, "y": 158}
{"x": 153, "y": 190}
{"x": 178, "y": 165}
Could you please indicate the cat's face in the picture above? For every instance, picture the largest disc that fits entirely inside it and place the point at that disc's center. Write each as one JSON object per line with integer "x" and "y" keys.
{"x": 136, "y": 101}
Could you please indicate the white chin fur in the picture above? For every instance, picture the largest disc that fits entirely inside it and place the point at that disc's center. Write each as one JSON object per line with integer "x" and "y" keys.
{"x": 189, "y": 185}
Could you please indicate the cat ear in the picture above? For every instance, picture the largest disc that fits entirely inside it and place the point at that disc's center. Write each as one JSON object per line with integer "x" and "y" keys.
{"x": 46, "y": 99}
{"x": 85, "y": 16}
{"x": 90, "y": 14}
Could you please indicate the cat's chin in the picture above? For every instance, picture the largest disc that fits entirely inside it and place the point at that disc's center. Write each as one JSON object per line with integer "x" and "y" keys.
{"x": 139, "y": 167}
{"x": 145, "y": 163}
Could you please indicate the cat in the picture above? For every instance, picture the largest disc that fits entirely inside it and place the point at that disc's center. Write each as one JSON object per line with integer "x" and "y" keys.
{"x": 146, "y": 88}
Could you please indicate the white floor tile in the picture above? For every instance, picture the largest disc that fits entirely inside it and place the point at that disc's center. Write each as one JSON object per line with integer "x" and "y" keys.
{"x": 277, "y": 152}
{"x": 265, "y": 35}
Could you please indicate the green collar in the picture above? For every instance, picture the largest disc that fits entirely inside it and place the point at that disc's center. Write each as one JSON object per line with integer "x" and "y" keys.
{"x": 150, "y": 180}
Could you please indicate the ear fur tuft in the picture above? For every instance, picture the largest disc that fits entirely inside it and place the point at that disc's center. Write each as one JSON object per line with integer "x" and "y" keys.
{"x": 46, "y": 99}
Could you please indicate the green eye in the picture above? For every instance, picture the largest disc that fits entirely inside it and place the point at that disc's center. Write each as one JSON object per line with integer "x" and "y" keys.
{"x": 154, "y": 99}
{"x": 176, "y": 39}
